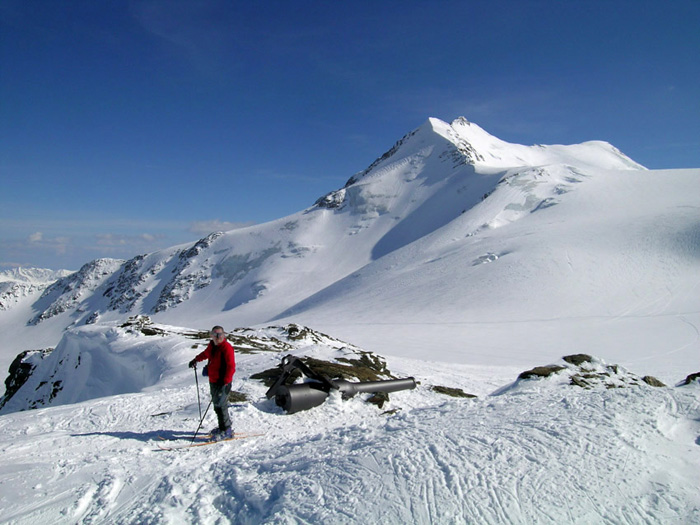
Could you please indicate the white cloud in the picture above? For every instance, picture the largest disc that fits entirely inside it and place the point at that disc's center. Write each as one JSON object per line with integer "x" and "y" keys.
{"x": 36, "y": 237}
{"x": 109, "y": 239}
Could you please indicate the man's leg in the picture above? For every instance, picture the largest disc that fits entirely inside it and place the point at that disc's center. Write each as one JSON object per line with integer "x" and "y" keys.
{"x": 219, "y": 398}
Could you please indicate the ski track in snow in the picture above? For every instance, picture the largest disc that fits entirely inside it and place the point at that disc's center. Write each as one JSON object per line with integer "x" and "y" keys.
{"x": 542, "y": 452}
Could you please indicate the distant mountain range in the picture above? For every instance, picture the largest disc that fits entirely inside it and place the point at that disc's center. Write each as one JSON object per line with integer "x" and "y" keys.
{"x": 18, "y": 283}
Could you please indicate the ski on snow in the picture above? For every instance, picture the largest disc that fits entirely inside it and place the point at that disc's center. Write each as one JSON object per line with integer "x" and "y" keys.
{"x": 209, "y": 442}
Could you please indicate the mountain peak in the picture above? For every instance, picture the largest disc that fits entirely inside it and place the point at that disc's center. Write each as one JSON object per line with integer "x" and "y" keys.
{"x": 437, "y": 151}
{"x": 482, "y": 148}
{"x": 468, "y": 143}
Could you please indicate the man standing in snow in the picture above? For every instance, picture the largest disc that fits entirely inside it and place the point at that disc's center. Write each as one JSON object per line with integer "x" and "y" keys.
{"x": 221, "y": 367}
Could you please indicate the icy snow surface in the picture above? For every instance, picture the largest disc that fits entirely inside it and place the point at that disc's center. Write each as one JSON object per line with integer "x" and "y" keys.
{"x": 533, "y": 451}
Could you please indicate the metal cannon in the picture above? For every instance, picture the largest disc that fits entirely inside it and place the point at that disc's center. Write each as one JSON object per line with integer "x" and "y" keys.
{"x": 302, "y": 396}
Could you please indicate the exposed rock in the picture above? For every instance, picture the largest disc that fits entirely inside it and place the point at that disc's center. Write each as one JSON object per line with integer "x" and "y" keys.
{"x": 390, "y": 153}
{"x": 378, "y": 399}
{"x": 332, "y": 201}
{"x": 577, "y": 380}
{"x": 463, "y": 152}
{"x": 124, "y": 293}
{"x": 541, "y": 371}
{"x": 586, "y": 371}
{"x": 20, "y": 370}
{"x": 92, "y": 318}
{"x": 451, "y": 391}
{"x": 189, "y": 274}
{"x": 578, "y": 359}
{"x": 237, "y": 397}
{"x": 652, "y": 381}
{"x": 143, "y": 324}
{"x": 68, "y": 292}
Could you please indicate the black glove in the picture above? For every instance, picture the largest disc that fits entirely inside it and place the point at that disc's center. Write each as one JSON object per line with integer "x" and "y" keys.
{"x": 193, "y": 363}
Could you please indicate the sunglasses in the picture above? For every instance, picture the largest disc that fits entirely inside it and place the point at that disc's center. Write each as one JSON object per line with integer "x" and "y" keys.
{"x": 217, "y": 334}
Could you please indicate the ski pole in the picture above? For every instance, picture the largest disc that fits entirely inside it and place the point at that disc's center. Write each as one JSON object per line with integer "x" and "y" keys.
{"x": 196, "y": 380}
{"x": 200, "y": 422}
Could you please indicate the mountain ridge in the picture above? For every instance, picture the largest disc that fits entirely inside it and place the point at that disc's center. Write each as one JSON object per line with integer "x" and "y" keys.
{"x": 445, "y": 189}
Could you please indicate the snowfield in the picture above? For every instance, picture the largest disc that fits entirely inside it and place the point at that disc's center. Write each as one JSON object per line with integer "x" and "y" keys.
{"x": 458, "y": 259}
{"x": 532, "y": 451}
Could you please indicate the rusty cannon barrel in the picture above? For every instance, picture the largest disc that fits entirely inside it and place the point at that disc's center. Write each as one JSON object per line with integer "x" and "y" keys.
{"x": 303, "y": 396}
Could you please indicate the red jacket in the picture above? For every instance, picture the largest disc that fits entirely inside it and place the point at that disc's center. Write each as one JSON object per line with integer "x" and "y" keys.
{"x": 222, "y": 362}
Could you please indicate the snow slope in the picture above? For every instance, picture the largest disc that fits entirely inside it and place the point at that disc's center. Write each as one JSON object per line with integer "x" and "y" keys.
{"x": 612, "y": 269}
{"x": 533, "y": 451}
{"x": 546, "y": 220}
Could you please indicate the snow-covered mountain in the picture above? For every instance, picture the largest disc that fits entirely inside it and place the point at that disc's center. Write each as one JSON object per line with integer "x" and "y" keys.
{"x": 452, "y": 238}
{"x": 455, "y": 258}
{"x": 32, "y": 275}
{"x": 426, "y": 181}
{"x": 452, "y": 228}
{"x": 18, "y": 283}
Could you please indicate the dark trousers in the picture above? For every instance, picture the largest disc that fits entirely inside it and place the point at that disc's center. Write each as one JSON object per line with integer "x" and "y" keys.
{"x": 219, "y": 398}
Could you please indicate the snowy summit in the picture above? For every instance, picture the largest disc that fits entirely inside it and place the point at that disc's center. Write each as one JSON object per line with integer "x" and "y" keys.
{"x": 543, "y": 297}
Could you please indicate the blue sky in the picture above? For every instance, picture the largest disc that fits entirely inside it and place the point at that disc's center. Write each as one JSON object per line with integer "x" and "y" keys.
{"x": 126, "y": 127}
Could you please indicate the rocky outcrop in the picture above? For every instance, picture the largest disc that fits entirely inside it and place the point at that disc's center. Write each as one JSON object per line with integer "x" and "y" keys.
{"x": 190, "y": 273}
{"x": 20, "y": 370}
{"x": 66, "y": 293}
{"x": 588, "y": 372}
{"x": 124, "y": 291}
